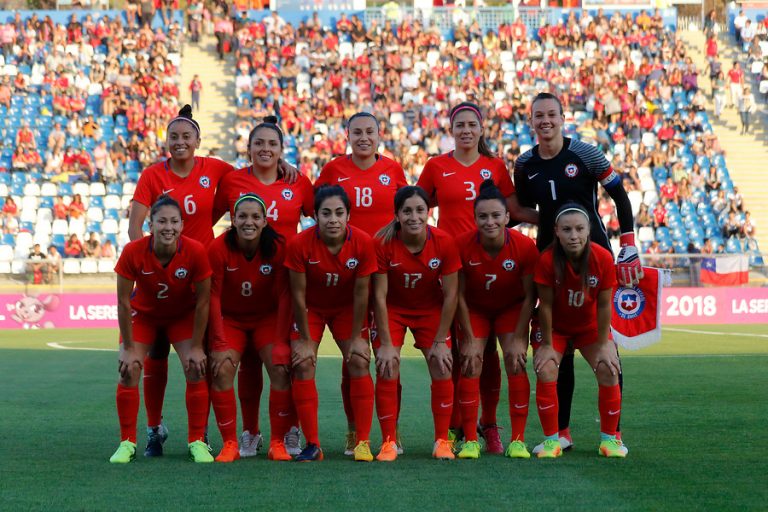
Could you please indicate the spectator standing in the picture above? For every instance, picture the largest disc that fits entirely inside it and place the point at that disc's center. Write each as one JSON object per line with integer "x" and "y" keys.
{"x": 747, "y": 107}
{"x": 195, "y": 88}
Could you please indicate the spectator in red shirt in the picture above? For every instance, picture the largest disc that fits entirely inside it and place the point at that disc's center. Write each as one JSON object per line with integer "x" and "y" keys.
{"x": 60, "y": 210}
{"x": 73, "y": 248}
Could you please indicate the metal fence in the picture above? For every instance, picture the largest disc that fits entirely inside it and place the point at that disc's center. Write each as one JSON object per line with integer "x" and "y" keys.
{"x": 446, "y": 18}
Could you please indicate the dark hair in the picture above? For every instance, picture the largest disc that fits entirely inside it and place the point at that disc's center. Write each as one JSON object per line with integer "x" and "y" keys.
{"x": 546, "y": 96}
{"x": 559, "y": 258}
{"x": 327, "y": 191}
{"x": 388, "y": 232}
{"x": 488, "y": 192}
{"x": 269, "y": 122}
{"x": 185, "y": 114}
{"x": 360, "y": 115}
{"x": 268, "y": 239}
{"x": 163, "y": 200}
{"x": 482, "y": 145}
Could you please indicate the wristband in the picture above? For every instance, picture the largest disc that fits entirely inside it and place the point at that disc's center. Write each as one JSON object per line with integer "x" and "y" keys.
{"x": 627, "y": 239}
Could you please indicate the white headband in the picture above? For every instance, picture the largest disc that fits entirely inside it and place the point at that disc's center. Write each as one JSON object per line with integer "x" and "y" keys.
{"x": 571, "y": 210}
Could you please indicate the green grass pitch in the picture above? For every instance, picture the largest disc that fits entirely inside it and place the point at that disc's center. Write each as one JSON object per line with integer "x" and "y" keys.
{"x": 694, "y": 418}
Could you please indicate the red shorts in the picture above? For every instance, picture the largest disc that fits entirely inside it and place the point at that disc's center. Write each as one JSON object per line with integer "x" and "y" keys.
{"x": 499, "y": 323}
{"x": 241, "y": 336}
{"x": 146, "y": 328}
{"x": 339, "y": 322}
{"x": 562, "y": 342}
{"x": 423, "y": 326}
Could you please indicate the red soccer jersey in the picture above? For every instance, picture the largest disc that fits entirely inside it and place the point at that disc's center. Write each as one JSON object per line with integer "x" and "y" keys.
{"x": 331, "y": 278}
{"x": 371, "y": 192}
{"x": 285, "y": 202}
{"x": 195, "y": 193}
{"x": 454, "y": 188}
{"x": 574, "y": 310}
{"x": 246, "y": 291}
{"x": 495, "y": 284}
{"x": 164, "y": 292}
{"x": 414, "y": 280}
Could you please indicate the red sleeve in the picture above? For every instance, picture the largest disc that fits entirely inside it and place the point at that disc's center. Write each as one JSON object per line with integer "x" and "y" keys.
{"x": 529, "y": 255}
{"x": 126, "y": 266}
{"x": 215, "y": 317}
{"x": 307, "y": 197}
{"x": 506, "y": 187}
{"x": 294, "y": 255}
{"x": 220, "y": 205}
{"x": 451, "y": 258}
{"x": 202, "y": 269}
{"x": 426, "y": 181}
{"x": 326, "y": 175}
{"x": 145, "y": 192}
{"x": 544, "y": 272}
{"x": 608, "y": 279}
{"x": 368, "y": 260}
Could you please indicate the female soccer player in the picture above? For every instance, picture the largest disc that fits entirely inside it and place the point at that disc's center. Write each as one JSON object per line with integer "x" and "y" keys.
{"x": 415, "y": 288}
{"x": 192, "y": 182}
{"x": 163, "y": 286}
{"x": 330, "y": 267}
{"x": 496, "y": 295}
{"x": 371, "y": 181}
{"x": 452, "y": 181}
{"x": 253, "y": 313}
{"x": 287, "y": 199}
{"x": 575, "y": 278}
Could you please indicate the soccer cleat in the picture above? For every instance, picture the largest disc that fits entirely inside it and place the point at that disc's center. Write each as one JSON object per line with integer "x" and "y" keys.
{"x": 363, "y": 452}
{"x": 612, "y": 448}
{"x": 455, "y": 436}
{"x": 470, "y": 450}
{"x": 517, "y": 450}
{"x": 388, "y": 452}
{"x": 277, "y": 451}
{"x": 492, "y": 438}
{"x": 399, "y": 442}
{"x": 443, "y": 450}
{"x": 292, "y": 441}
{"x": 125, "y": 453}
{"x": 156, "y": 436}
{"x": 550, "y": 449}
{"x": 200, "y": 452}
{"x": 566, "y": 442}
{"x": 250, "y": 444}
{"x": 351, "y": 442}
{"x": 310, "y": 453}
{"x": 229, "y": 453}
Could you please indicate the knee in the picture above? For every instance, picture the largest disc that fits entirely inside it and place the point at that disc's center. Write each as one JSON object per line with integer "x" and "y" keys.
{"x": 548, "y": 373}
{"x": 358, "y": 366}
{"x": 279, "y": 378}
{"x": 304, "y": 371}
{"x": 130, "y": 379}
{"x": 437, "y": 373}
{"x": 604, "y": 376}
{"x": 224, "y": 379}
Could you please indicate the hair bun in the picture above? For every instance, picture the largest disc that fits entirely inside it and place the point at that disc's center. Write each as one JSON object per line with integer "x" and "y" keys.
{"x": 270, "y": 119}
{"x": 488, "y": 185}
{"x": 186, "y": 111}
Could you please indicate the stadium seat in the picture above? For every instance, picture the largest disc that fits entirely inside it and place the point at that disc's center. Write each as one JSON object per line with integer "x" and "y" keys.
{"x": 106, "y": 266}
{"x": 5, "y": 267}
{"x": 32, "y": 189}
{"x": 89, "y": 266}
{"x": 98, "y": 189}
{"x": 48, "y": 189}
{"x": 114, "y": 189}
{"x": 65, "y": 189}
{"x": 71, "y": 266}
{"x": 109, "y": 226}
{"x": 81, "y": 188}
{"x": 60, "y": 227}
{"x": 129, "y": 188}
{"x": 112, "y": 202}
{"x": 28, "y": 215}
{"x": 95, "y": 214}
{"x": 96, "y": 202}
{"x": 77, "y": 227}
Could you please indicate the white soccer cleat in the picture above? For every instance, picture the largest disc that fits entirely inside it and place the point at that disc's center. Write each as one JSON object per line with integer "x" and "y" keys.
{"x": 250, "y": 444}
{"x": 566, "y": 443}
{"x": 292, "y": 441}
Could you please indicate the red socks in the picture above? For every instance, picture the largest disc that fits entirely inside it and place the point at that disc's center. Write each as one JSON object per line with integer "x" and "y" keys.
{"x": 609, "y": 404}
{"x": 346, "y": 399}
{"x": 387, "y": 408}
{"x": 197, "y": 410}
{"x": 225, "y": 409}
{"x": 127, "y": 411}
{"x": 305, "y": 400}
{"x": 442, "y": 404}
{"x": 281, "y": 413}
{"x": 490, "y": 386}
{"x": 546, "y": 402}
{"x": 361, "y": 396}
{"x": 155, "y": 380}
{"x": 519, "y": 396}
{"x": 250, "y": 383}
{"x": 469, "y": 401}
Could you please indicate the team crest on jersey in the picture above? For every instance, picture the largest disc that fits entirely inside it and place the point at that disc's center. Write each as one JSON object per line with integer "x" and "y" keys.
{"x": 571, "y": 170}
{"x": 352, "y": 263}
{"x": 265, "y": 269}
{"x": 508, "y": 265}
{"x": 384, "y": 179}
{"x": 434, "y": 263}
{"x": 592, "y": 281}
{"x": 287, "y": 194}
{"x": 485, "y": 174}
{"x": 205, "y": 182}
{"x": 629, "y": 303}
{"x": 181, "y": 273}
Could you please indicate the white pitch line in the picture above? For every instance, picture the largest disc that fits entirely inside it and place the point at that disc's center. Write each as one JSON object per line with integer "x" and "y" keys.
{"x": 693, "y": 331}
{"x": 62, "y": 347}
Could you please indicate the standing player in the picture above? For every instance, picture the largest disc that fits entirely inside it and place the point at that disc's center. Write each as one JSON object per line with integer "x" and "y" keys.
{"x": 370, "y": 181}
{"x": 558, "y": 170}
{"x": 575, "y": 280}
{"x": 286, "y": 201}
{"x": 254, "y": 314}
{"x": 192, "y": 182}
{"x": 163, "y": 286}
{"x": 452, "y": 181}
{"x": 330, "y": 267}
{"x": 496, "y": 295}
{"x": 415, "y": 288}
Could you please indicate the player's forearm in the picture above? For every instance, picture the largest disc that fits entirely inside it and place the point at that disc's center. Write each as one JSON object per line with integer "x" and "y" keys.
{"x": 545, "y": 314}
{"x": 524, "y": 320}
{"x": 360, "y": 305}
{"x": 603, "y": 316}
{"x": 462, "y": 315}
{"x": 382, "y": 317}
{"x": 124, "y": 322}
{"x": 202, "y": 310}
{"x": 450, "y": 300}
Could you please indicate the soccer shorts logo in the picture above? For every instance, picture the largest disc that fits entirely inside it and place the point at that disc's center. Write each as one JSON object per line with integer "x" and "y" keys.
{"x": 352, "y": 263}
{"x": 508, "y": 265}
{"x": 592, "y": 281}
{"x": 571, "y": 170}
{"x": 485, "y": 174}
{"x": 205, "y": 182}
{"x": 434, "y": 263}
{"x": 265, "y": 269}
{"x": 629, "y": 303}
{"x": 384, "y": 179}
{"x": 181, "y": 273}
{"x": 287, "y": 194}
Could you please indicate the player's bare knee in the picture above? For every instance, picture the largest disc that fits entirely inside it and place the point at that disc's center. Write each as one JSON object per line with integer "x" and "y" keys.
{"x": 548, "y": 373}
{"x": 131, "y": 378}
{"x": 224, "y": 379}
{"x": 604, "y": 376}
{"x": 279, "y": 378}
{"x": 304, "y": 370}
{"x": 358, "y": 366}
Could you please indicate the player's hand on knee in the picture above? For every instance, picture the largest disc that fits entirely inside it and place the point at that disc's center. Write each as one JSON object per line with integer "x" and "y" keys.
{"x": 218, "y": 360}
{"x": 302, "y": 351}
{"x": 387, "y": 361}
{"x": 609, "y": 357}
{"x": 440, "y": 355}
{"x": 196, "y": 362}
{"x": 471, "y": 357}
{"x": 543, "y": 356}
{"x": 128, "y": 361}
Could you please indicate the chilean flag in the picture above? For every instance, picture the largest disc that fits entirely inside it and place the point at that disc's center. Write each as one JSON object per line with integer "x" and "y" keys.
{"x": 731, "y": 270}
{"x": 636, "y": 317}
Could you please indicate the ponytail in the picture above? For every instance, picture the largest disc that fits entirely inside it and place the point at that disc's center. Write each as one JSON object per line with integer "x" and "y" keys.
{"x": 559, "y": 258}
{"x": 268, "y": 238}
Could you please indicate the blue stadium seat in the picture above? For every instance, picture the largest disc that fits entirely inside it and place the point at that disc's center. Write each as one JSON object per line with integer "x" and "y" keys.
{"x": 65, "y": 189}
{"x": 9, "y": 239}
{"x": 112, "y": 214}
{"x": 733, "y": 246}
{"x": 114, "y": 189}
{"x": 111, "y": 237}
{"x": 46, "y": 202}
